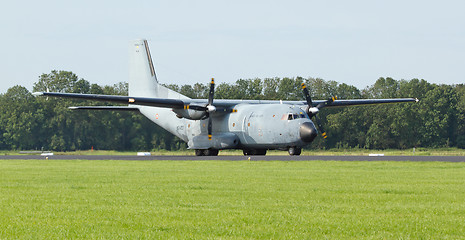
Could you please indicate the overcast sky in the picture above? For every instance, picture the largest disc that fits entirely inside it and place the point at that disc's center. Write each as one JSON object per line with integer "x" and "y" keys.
{"x": 353, "y": 42}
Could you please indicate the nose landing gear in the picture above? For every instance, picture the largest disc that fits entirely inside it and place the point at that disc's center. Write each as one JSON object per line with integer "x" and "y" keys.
{"x": 294, "y": 151}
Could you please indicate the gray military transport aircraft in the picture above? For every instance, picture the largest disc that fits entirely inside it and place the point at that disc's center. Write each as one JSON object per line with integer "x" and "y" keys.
{"x": 209, "y": 125}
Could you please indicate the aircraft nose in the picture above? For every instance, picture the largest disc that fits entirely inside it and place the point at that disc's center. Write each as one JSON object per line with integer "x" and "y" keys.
{"x": 307, "y": 132}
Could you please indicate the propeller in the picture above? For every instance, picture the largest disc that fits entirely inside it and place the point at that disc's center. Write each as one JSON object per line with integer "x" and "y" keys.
{"x": 210, "y": 108}
{"x": 312, "y": 111}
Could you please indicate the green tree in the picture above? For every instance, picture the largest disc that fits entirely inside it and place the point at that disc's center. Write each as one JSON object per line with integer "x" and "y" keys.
{"x": 56, "y": 81}
{"x": 18, "y": 119}
{"x": 271, "y": 88}
{"x": 81, "y": 86}
{"x": 460, "y": 116}
{"x": 438, "y": 120}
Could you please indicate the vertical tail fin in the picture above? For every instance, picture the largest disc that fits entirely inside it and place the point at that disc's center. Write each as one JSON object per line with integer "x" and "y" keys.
{"x": 142, "y": 78}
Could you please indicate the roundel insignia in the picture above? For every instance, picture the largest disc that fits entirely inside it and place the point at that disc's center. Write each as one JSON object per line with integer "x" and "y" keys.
{"x": 156, "y": 116}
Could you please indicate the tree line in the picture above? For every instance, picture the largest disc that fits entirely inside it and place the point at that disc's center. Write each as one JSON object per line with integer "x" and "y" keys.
{"x": 438, "y": 120}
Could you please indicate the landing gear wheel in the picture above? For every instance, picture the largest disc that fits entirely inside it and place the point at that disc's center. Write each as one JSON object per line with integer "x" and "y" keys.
{"x": 248, "y": 152}
{"x": 260, "y": 152}
{"x": 199, "y": 152}
{"x": 295, "y": 151}
{"x": 210, "y": 152}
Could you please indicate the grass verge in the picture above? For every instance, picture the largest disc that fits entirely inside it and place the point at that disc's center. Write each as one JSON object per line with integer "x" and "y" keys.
{"x": 231, "y": 200}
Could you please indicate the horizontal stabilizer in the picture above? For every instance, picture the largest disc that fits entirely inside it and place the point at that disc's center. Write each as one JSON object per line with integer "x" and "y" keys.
{"x": 106, "y": 108}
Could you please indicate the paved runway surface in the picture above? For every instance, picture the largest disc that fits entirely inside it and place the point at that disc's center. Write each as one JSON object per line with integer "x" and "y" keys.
{"x": 243, "y": 158}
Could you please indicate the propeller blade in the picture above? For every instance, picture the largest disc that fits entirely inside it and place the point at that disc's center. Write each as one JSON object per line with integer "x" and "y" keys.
{"x": 332, "y": 99}
{"x": 320, "y": 127}
{"x": 212, "y": 92}
{"x": 307, "y": 95}
{"x": 210, "y": 108}
{"x": 326, "y": 103}
{"x": 209, "y": 128}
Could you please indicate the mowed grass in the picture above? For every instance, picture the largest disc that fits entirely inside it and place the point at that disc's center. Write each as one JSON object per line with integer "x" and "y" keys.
{"x": 231, "y": 200}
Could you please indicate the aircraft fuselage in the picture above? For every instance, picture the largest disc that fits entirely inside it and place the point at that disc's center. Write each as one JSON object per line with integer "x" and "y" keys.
{"x": 250, "y": 126}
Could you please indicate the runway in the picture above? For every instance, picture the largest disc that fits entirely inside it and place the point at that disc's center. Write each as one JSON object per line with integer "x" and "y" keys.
{"x": 238, "y": 158}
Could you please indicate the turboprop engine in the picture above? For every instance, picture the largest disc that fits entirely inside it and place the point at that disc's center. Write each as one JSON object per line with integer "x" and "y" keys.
{"x": 189, "y": 112}
{"x": 196, "y": 112}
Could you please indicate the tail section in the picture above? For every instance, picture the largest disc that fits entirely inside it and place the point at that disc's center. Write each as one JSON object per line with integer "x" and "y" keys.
{"x": 142, "y": 78}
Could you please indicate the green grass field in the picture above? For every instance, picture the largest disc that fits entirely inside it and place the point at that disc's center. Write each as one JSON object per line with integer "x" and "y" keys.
{"x": 231, "y": 200}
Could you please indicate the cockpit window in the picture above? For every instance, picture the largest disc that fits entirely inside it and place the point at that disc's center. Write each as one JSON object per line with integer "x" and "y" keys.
{"x": 292, "y": 116}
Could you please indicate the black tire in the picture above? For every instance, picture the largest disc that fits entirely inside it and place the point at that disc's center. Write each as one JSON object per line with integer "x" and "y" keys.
{"x": 199, "y": 152}
{"x": 210, "y": 152}
{"x": 295, "y": 151}
{"x": 260, "y": 152}
{"x": 248, "y": 152}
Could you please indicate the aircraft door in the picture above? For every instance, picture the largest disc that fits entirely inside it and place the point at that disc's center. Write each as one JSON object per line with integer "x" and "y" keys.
{"x": 245, "y": 128}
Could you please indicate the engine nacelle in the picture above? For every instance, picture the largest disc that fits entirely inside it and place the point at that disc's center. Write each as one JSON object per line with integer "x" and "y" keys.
{"x": 311, "y": 111}
{"x": 190, "y": 114}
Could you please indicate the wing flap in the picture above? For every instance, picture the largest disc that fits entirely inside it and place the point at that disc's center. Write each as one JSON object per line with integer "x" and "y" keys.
{"x": 106, "y": 108}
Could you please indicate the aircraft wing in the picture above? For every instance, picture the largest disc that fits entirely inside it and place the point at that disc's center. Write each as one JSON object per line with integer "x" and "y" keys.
{"x": 225, "y": 103}
{"x": 355, "y": 102}
{"x": 154, "y": 102}
{"x": 335, "y": 103}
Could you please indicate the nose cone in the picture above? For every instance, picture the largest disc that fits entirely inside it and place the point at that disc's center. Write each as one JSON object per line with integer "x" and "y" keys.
{"x": 307, "y": 132}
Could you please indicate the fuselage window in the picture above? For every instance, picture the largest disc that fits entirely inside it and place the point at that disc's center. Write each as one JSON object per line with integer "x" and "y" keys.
{"x": 292, "y": 116}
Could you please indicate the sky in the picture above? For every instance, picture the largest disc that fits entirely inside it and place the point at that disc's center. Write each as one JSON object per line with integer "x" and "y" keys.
{"x": 353, "y": 42}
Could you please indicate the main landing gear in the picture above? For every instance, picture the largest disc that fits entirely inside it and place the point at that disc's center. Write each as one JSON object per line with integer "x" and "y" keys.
{"x": 248, "y": 152}
{"x": 206, "y": 152}
{"x": 293, "y": 151}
